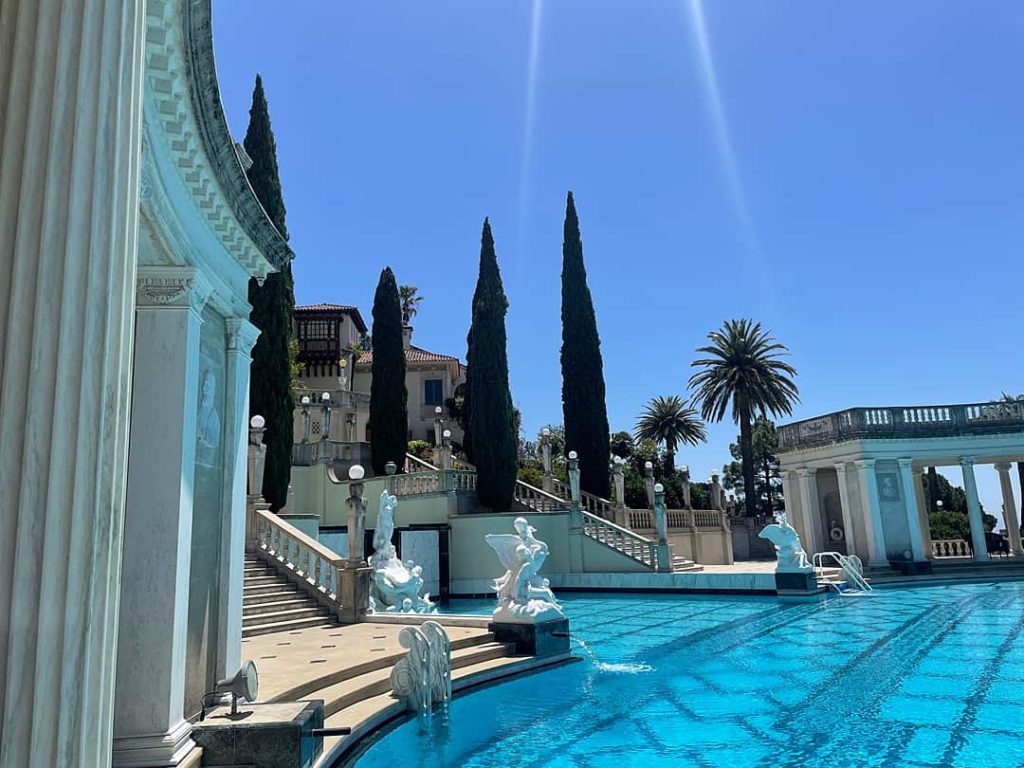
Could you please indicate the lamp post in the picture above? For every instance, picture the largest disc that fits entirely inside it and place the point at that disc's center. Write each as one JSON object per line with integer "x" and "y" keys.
{"x": 325, "y": 410}
{"x": 354, "y": 576}
{"x": 649, "y": 482}
{"x": 446, "y": 449}
{"x": 342, "y": 378}
{"x": 305, "y": 418}
{"x": 576, "y": 516}
{"x": 685, "y": 474}
{"x": 257, "y": 457}
{"x": 664, "y": 560}
{"x": 545, "y": 448}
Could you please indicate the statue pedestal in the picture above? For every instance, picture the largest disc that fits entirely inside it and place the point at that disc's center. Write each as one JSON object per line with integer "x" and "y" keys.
{"x": 354, "y": 593}
{"x": 542, "y": 638}
{"x": 796, "y": 582}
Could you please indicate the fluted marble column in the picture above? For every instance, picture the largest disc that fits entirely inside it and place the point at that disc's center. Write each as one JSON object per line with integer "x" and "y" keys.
{"x": 70, "y": 121}
{"x": 810, "y": 509}
{"x": 974, "y": 509}
{"x": 872, "y": 511}
{"x": 844, "y": 502}
{"x": 1009, "y": 507}
{"x": 910, "y": 506}
{"x": 241, "y": 336}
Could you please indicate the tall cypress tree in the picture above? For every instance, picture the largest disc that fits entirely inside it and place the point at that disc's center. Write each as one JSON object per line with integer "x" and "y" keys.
{"x": 270, "y": 386}
{"x": 491, "y": 416}
{"x": 583, "y": 395}
{"x": 389, "y": 414}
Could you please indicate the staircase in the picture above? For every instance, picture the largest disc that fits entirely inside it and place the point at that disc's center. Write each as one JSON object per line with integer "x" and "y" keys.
{"x": 681, "y": 565}
{"x": 271, "y": 603}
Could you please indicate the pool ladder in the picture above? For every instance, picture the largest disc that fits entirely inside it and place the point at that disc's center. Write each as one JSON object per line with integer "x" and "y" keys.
{"x": 850, "y": 567}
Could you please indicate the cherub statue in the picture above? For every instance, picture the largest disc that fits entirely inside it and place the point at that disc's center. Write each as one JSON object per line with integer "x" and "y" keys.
{"x": 523, "y": 595}
{"x": 791, "y": 555}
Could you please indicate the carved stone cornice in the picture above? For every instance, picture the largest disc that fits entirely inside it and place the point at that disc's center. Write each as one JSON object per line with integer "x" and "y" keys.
{"x": 171, "y": 288}
{"x": 181, "y": 86}
{"x": 241, "y": 335}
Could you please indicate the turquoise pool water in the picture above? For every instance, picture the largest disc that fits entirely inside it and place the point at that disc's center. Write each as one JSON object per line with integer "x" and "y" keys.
{"x": 910, "y": 677}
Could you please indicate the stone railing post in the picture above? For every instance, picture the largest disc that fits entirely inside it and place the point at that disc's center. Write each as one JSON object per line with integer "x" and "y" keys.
{"x": 576, "y": 519}
{"x": 354, "y": 576}
{"x": 649, "y": 483}
{"x": 325, "y": 421}
{"x": 685, "y": 477}
{"x": 664, "y": 553}
{"x": 305, "y": 418}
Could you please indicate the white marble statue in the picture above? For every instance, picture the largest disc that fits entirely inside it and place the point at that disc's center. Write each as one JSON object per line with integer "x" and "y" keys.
{"x": 396, "y": 585}
{"x": 423, "y": 677}
{"x": 523, "y": 596}
{"x": 791, "y": 555}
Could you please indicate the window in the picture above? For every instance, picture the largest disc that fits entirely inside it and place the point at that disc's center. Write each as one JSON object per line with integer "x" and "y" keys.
{"x": 432, "y": 393}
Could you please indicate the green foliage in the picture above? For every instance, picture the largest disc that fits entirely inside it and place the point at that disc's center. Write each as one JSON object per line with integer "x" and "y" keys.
{"x": 669, "y": 422}
{"x": 531, "y": 475}
{"x": 389, "y": 415}
{"x": 270, "y": 385}
{"x": 955, "y": 525}
{"x": 583, "y": 390}
{"x": 492, "y": 420}
{"x": 767, "y": 480}
{"x": 421, "y": 449}
{"x": 742, "y": 371}
{"x": 621, "y": 445}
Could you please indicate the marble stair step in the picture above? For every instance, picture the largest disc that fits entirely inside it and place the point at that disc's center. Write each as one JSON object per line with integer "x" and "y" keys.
{"x": 348, "y": 692}
{"x": 294, "y": 601}
{"x": 270, "y": 578}
{"x": 268, "y": 596}
{"x": 304, "y": 612}
{"x": 285, "y": 626}
{"x": 386, "y": 661}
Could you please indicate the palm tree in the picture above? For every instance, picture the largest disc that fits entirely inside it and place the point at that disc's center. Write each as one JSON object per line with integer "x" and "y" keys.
{"x": 410, "y": 302}
{"x": 743, "y": 369}
{"x": 669, "y": 422}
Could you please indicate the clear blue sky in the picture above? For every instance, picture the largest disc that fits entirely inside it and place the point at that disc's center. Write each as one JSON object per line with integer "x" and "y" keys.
{"x": 850, "y": 174}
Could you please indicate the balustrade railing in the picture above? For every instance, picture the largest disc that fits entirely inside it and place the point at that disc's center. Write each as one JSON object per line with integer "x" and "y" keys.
{"x": 315, "y": 565}
{"x": 308, "y": 454}
{"x": 951, "y": 548}
{"x": 677, "y": 519}
{"x": 904, "y": 422}
{"x": 538, "y": 500}
{"x": 588, "y": 501}
{"x": 622, "y": 539}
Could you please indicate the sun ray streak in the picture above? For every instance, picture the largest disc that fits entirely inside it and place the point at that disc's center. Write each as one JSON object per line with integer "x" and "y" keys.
{"x": 529, "y": 120}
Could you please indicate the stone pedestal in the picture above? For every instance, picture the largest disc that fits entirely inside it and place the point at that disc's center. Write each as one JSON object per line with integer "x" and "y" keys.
{"x": 262, "y": 735}
{"x": 71, "y": 84}
{"x": 796, "y": 583}
{"x": 354, "y": 592}
{"x": 543, "y": 638}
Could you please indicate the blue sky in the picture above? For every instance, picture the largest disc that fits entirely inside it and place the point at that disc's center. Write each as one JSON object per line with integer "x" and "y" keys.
{"x": 850, "y": 174}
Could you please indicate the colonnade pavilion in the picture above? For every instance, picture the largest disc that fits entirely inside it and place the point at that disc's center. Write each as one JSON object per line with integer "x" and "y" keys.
{"x": 130, "y": 233}
{"x": 854, "y": 480}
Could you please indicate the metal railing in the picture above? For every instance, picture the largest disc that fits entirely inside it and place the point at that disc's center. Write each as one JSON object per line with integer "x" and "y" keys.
{"x": 289, "y": 549}
{"x": 903, "y": 422}
{"x": 850, "y": 567}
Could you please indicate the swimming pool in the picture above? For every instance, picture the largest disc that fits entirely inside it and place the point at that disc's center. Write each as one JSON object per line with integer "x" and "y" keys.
{"x": 909, "y": 677}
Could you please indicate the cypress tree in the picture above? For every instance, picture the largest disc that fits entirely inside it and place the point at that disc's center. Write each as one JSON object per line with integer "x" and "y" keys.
{"x": 389, "y": 415}
{"x": 491, "y": 416}
{"x": 583, "y": 394}
{"x": 270, "y": 385}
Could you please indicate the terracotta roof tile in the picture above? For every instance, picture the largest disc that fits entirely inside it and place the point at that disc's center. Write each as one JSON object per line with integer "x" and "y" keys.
{"x": 413, "y": 354}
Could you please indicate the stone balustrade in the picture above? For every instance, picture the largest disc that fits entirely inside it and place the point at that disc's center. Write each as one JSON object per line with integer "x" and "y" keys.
{"x": 951, "y": 548}
{"x": 678, "y": 519}
{"x": 315, "y": 567}
{"x": 588, "y": 501}
{"x": 622, "y": 539}
{"x": 538, "y": 500}
{"x": 903, "y": 422}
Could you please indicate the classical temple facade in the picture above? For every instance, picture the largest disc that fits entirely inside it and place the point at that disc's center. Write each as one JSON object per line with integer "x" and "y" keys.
{"x": 130, "y": 232}
{"x": 854, "y": 480}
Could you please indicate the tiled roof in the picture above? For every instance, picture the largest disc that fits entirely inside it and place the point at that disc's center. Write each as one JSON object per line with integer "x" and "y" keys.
{"x": 412, "y": 355}
{"x": 349, "y": 310}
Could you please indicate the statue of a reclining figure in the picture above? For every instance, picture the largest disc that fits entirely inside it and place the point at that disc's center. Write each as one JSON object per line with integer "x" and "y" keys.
{"x": 396, "y": 585}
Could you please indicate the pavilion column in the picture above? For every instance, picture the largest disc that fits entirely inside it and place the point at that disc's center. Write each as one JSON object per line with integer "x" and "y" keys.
{"x": 241, "y": 336}
{"x": 974, "y": 509}
{"x": 789, "y": 497}
{"x": 844, "y": 502}
{"x": 70, "y": 127}
{"x": 922, "y": 510}
{"x": 809, "y": 507}
{"x": 872, "y": 511}
{"x": 149, "y": 724}
{"x": 1009, "y": 508}
{"x": 910, "y": 506}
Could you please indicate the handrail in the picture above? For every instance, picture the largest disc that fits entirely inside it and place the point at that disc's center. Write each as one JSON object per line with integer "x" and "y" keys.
{"x": 850, "y": 565}
{"x": 290, "y": 549}
{"x": 588, "y": 501}
{"x": 627, "y": 542}
{"x": 416, "y": 464}
{"x": 537, "y": 499}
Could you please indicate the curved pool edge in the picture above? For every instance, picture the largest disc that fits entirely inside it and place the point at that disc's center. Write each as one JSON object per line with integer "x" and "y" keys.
{"x": 348, "y": 749}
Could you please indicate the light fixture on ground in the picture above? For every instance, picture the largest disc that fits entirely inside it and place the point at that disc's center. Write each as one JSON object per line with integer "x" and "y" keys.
{"x": 244, "y": 684}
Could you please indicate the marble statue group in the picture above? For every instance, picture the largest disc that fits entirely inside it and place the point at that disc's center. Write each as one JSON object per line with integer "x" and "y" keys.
{"x": 523, "y": 595}
{"x": 791, "y": 555}
{"x": 396, "y": 586}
